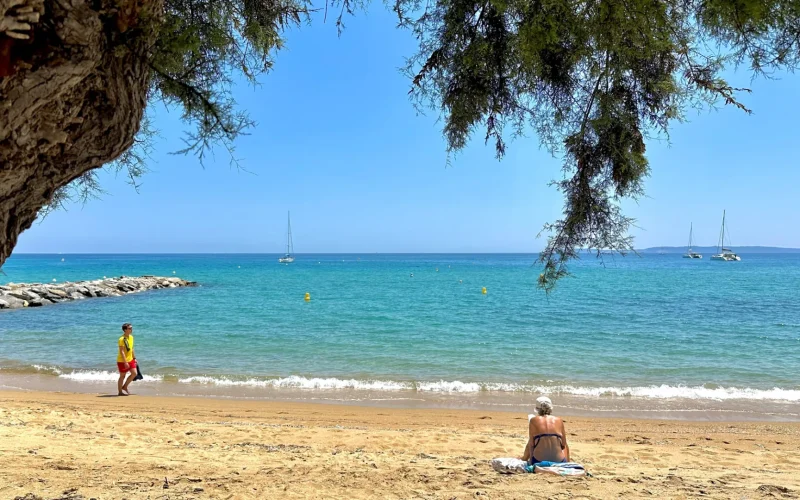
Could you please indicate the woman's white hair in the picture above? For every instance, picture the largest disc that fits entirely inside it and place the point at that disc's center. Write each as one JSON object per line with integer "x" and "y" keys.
{"x": 544, "y": 406}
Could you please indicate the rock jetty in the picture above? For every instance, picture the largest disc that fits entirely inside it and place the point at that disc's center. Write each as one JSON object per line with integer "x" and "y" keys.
{"x": 17, "y": 295}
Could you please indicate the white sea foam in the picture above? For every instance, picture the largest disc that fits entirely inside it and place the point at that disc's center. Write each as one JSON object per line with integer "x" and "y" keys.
{"x": 296, "y": 382}
{"x": 685, "y": 392}
{"x": 448, "y": 387}
{"x": 696, "y": 392}
{"x": 51, "y": 369}
{"x": 101, "y": 376}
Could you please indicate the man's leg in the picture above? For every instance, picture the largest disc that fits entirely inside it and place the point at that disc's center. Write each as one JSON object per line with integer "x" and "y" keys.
{"x": 119, "y": 384}
{"x": 132, "y": 376}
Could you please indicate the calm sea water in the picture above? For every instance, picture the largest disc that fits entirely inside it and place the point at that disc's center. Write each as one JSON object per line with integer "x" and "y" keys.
{"x": 656, "y": 326}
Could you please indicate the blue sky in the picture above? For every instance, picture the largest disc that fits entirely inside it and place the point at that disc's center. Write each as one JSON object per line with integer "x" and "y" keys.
{"x": 339, "y": 144}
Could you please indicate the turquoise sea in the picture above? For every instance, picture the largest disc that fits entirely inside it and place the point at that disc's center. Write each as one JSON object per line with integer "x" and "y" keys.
{"x": 639, "y": 329}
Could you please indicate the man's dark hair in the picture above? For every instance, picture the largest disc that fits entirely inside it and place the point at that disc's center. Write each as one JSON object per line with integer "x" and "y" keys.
{"x": 125, "y": 326}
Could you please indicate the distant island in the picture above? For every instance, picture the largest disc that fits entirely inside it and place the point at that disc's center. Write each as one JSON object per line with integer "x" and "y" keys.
{"x": 714, "y": 249}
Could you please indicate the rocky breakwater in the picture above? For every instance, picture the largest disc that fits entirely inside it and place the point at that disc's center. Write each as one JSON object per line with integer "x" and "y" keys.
{"x": 18, "y": 295}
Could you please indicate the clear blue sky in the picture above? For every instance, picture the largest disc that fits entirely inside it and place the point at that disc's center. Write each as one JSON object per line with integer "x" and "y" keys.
{"x": 339, "y": 144}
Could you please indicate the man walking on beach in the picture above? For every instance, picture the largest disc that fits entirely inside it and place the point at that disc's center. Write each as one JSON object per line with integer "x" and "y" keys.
{"x": 126, "y": 360}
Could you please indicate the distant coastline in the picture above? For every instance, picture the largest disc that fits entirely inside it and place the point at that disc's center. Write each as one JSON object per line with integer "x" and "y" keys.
{"x": 714, "y": 249}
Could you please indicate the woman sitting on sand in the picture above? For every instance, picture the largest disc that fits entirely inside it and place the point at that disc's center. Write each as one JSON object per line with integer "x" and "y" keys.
{"x": 548, "y": 438}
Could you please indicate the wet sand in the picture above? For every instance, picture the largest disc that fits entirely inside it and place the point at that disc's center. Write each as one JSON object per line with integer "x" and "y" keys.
{"x": 69, "y": 446}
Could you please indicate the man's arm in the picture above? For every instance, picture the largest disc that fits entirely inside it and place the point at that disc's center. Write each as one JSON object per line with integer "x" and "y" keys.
{"x": 564, "y": 441}
{"x": 122, "y": 352}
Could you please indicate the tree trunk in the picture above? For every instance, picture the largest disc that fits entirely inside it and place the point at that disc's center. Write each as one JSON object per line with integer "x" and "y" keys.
{"x": 71, "y": 97}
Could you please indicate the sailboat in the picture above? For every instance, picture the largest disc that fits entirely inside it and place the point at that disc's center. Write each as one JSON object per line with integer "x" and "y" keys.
{"x": 691, "y": 254}
{"x": 289, "y": 257}
{"x": 725, "y": 254}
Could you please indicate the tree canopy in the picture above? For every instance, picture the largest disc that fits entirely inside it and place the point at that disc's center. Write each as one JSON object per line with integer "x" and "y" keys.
{"x": 591, "y": 79}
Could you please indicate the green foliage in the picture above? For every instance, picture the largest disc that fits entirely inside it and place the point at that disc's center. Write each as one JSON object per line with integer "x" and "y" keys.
{"x": 202, "y": 45}
{"x": 593, "y": 79}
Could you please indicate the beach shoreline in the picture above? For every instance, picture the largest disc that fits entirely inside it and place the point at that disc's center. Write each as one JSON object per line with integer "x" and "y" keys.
{"x": 625, "y": 407}
{"x": 61, "y": 444}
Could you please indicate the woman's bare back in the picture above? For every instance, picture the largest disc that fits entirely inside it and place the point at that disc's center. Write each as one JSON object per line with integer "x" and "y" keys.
{"x": 547, "y": 440}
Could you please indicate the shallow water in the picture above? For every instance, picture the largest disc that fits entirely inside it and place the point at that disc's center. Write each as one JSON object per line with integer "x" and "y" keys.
{"x": 655, "y": 327}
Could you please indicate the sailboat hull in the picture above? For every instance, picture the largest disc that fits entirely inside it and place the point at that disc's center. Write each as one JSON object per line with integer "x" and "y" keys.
{"x": 286, "y": 260}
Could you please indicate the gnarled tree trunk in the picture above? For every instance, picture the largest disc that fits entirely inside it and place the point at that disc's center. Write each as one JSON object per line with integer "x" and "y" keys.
{"x": 73, "y": 88}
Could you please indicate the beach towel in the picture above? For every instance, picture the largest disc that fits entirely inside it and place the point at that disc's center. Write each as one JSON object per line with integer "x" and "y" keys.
{"x": 517, "y": 466}
{"x": 559, "y": 468}
{"x": 139, "y": 375}
{"x": 511, "y": 466}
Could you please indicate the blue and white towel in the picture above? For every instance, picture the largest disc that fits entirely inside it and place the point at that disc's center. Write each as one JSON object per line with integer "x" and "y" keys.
{"x": 517, "y": 466}
{"x": 559, "y": 468}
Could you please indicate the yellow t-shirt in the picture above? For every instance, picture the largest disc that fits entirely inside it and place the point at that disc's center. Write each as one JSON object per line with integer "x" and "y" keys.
{"x": 128, "y": 352}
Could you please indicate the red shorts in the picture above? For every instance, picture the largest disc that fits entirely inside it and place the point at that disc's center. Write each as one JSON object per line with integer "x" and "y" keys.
{"x": 122, "y": 369}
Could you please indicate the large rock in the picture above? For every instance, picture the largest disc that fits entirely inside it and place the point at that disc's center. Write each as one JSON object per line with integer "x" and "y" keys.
{"x": 59, "y": 293}
{"x": 23, "y": 294}
{"x": 39, "y": 302}
{"x": 9, "y": 302}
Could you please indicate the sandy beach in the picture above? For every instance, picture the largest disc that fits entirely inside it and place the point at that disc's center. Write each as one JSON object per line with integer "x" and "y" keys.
{"x": 70, "y": 446}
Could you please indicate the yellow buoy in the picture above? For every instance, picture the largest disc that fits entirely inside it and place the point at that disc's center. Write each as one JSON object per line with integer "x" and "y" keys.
{"x": 483, "y": 291}
{"x": 308, "y": 296}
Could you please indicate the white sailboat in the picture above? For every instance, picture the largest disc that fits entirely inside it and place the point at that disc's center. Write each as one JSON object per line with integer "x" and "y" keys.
{"x": 691, "y": 254}
{"x": 725, "y": 254}
{"x": 289, "y": 257}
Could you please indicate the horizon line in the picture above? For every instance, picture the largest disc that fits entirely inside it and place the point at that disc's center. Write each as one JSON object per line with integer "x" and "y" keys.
{"x": 277, "y": 253}
{"x": 534, "y": 252}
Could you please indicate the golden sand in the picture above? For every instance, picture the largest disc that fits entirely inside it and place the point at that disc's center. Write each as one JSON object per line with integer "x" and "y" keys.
{"x": 69, "y": 446}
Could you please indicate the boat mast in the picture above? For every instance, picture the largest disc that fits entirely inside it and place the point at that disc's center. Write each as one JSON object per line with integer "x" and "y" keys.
{"x": 722, "y": 234}
{"x": 690, "y": 237}
{"x": 289, "y": 235}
